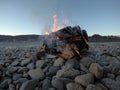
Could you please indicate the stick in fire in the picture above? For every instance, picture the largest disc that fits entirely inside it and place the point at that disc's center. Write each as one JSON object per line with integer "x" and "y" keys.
{"x": 75, "y": 40}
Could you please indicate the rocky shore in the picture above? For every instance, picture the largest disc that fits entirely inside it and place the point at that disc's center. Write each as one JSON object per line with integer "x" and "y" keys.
{"x": 98, "y": 70}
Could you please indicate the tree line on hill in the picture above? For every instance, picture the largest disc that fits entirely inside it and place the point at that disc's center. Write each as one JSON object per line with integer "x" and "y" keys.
{"x": 94, "y": 38}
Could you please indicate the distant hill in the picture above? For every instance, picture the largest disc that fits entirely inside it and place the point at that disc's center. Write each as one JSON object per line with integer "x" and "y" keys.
{"x": 99, "y": 38}
{"x": 20, "y": 38}
{"x": 94, "y": 38}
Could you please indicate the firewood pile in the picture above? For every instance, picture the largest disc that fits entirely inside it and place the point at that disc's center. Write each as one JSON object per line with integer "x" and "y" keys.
{"x": 68, "y": 43}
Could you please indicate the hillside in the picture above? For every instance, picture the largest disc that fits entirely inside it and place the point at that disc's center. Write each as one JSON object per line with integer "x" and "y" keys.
{"x": 94, "y": 38}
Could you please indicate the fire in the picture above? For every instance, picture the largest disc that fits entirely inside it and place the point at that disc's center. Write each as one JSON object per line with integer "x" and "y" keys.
{"x": 54, "y": 23}
{"x": 46, "y": 33}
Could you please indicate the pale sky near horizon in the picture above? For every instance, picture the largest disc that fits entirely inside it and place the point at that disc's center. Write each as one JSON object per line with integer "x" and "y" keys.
{"x": 35, "y": 16}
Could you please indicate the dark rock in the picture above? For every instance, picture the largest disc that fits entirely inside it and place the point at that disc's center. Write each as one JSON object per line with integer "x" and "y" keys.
{"x": 67, "y": 72}
{"x": 23, "y": 69}
{"x": 74, "y": 86}
{"x": 25, "y": 62}
{"x": 60, "y": 83}
{"x": 17, "y": 76}
{"x": 101, "y": 86}
{"x": 40, "y": 63}
{"x": 85, "y": 79}
{"x": 11, "y": 87}
{"x": 29, "y": 85}
{"x": 83, "y": 68}
{"x": 15, "y": 63}
{"x": 72, "y": 63}
{"x": 93, "y": 87}
{"x": 36, "y": 73}
{"x": 118, "y": 78}
{"x": 111, "y": 84}
{"x": 12, "y": 69}
{"x": 51, "y": 89}
{"x": 4, "y": 84}
{"x": 31, "y": 66}
{"x": 22, "y": 80}
{"x": 86, "y": 61}
{"x": 115, "y": 67}
{"x": 110, "y": 75}
{"x": 46, "y": 84}
{"x": 53, "y": 70}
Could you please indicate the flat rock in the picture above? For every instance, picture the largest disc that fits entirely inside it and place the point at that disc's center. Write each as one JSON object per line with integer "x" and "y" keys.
{"x": 22, "y": 80}
{"x": 40, "y": 63}
{"x": 74, "y": 86}
{"x": 101, "y": 86}
{"x": 15, "y": 63}
{"x": 118, "y": 78}
{"x": 53, "y": 70}
{"x": 29, "y": 85}
{"x": 86, "y": 61}
{"x": 59, "y": 62}
{"x": 5, "y": 84}
{"x": 83, "y": 68}
{"x": 31, "y": 66}
{"x": 16, "y": 76}
{"x": 96, "y": 70}
{"x": 60, "y": 83}
{"x": 93, "y": 87}
{"x": 67, "y": 72}
{"x": 115, "y": 67}
{"x": 36, "y": 73}
{"x": 23, "y": 69}
{"x": 111, "y": 84}
{"x": 11, "y": 87}
{"x": 25, "y": 62}
{"x": 72, "y": 63}
{"x": 46, "y": 84}
{"x": 85, "y": 79}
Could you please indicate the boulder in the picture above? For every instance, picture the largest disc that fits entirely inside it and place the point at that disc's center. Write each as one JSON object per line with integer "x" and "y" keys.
{"x": 101, "y": 86}
{"x": 15, "y": 63}
{"x": 25, "y": 62}
{"x": 36, "y": 73}
{"x": 74, "y": 86}
{"x": 40, "y": 63}
{"x": 86, "y": 61}
{"x": 72, "y": 63}
{"x": 85, "y": 79}
{"x": 46, "y": 84}
{"x": 111, "y": 84}
{"x": 5, "y": 84}
{"x": 29, "y": 85}
{"x": 96, "y": 70}
{"x": 31, "y": 66}
{"x": 93, "y": 87}
{"x": 67, "y": 72}
{"x": 53, "y": 70}
{"x": 11, "y": 87}
{"x": 60, "y": 83}
{"x": 16, "y": 76}
{"x": 59, "y": 62}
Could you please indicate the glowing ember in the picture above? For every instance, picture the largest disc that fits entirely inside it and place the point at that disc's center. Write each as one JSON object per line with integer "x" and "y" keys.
{"x": 46, "y": 33}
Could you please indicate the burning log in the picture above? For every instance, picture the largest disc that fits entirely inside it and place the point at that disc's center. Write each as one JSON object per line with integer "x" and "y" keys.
{"x": 70, "y": 41}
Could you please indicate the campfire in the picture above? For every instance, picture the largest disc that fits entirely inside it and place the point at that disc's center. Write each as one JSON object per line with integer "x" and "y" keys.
{"x": 68, "y": 43}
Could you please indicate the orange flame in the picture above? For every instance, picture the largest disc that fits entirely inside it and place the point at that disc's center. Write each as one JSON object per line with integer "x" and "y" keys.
{"x": 46, "y": 33}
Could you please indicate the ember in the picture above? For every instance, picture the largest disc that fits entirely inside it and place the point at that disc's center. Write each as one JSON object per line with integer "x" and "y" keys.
{"x": 69, "y": 42}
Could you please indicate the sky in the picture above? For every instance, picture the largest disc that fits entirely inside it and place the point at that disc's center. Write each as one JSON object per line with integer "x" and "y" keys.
{"x": 20, "y": 17}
